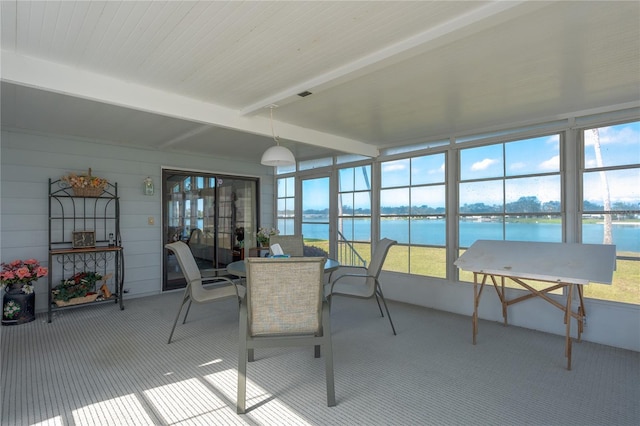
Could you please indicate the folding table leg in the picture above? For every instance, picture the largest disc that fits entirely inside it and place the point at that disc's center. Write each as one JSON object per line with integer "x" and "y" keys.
{"x": 567, "y": 318}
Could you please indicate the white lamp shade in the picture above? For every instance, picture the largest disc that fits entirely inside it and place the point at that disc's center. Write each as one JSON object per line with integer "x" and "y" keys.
{"x": 278, "y": 156}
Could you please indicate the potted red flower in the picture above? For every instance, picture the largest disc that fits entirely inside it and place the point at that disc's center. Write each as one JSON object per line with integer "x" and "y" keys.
{"x": 18, "y": 302}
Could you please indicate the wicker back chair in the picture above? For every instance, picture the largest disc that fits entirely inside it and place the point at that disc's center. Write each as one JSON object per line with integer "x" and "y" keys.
{"x": 293, "y": 245}
{"x": 284, "y": 306}
{"x": 362, "y": 282}
{"x": 195, "y": 292}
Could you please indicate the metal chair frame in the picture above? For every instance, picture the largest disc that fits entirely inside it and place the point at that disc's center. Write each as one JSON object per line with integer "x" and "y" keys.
{"x": 195, "y": 291}
{"x": 368, "y": 285}
{"x": 274, "y": 287}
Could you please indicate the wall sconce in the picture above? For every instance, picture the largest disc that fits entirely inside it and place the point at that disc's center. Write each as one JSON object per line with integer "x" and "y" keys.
{"x": 148, "y": 186}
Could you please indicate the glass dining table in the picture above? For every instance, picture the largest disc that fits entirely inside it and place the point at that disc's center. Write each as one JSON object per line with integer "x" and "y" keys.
{"x": 239, "y": 269}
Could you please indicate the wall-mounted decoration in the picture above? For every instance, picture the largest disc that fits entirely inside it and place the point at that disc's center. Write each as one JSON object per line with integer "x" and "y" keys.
{"x": 85, "y": 185}
{"x": 148, "y": 186}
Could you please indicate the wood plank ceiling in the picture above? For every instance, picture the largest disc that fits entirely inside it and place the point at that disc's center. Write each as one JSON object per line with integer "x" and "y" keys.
{"x": 200, "y": 76}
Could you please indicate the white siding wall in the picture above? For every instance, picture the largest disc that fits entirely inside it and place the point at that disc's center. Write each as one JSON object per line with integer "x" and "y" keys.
{"x": 608, "y": 323}
{"x": 27, "y": 161}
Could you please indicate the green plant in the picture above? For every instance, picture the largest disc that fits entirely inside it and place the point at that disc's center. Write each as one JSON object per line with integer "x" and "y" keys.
{"x": 265, "y": 233}
{"x": 314, "y": 251}
{"x": 78, "y": 285}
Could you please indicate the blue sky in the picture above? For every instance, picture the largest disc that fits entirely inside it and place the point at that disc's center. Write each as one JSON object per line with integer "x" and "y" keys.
{"x": 315, "y": 193}
{"x": 531, "y": 156}
{"x": 620, "y": 145}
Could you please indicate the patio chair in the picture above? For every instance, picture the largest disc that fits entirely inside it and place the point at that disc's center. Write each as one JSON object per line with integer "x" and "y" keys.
{"x": 292, "y": 245}
{"x": 284, "y": 306}
{"x": 362, "y": 282}
{"x": 195, "y": 292}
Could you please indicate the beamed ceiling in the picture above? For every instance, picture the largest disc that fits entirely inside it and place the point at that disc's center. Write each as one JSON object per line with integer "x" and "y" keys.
{"x": 200, "y": 76}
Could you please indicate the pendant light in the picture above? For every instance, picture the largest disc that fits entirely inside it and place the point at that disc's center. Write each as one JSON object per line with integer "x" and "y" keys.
{"x": 277, "y": 155}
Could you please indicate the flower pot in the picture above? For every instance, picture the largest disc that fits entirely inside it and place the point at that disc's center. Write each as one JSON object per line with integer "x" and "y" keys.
{"x": 17, "y": 307}
{"x": 87, "y": 191}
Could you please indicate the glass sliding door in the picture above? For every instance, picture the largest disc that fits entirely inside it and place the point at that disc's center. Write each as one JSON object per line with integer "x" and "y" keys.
{"x": 210, "y": 213}
{"x": 237, "y": 218}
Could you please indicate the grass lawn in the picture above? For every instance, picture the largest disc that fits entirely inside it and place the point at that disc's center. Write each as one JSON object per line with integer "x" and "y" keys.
{"x": 428, "y": 261}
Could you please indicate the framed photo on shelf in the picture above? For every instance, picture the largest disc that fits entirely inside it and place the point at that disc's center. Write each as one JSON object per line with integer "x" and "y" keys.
{"x": 83, "y": 239}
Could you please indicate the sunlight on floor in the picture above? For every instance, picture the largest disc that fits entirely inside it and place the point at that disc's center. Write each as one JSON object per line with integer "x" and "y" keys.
{"x": 122, "y": 410}
{"x": 267, "y": 406}
{"x": 185, "y": 400}
{"x": 215, "y": 361}
{"x": 55, "y": 421}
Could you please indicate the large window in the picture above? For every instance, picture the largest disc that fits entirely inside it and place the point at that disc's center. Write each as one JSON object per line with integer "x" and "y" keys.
{"x": 564, "y": 182}
{"x": 354, "y": 215}
{"x": 611, "y": 204}
{"x": 286, "y": 205}
{"x": 413, "y": 212}
{"x": 510, "y": 191}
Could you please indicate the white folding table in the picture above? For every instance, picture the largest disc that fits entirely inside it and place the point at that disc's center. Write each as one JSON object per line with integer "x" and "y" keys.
{"x": 563, "y": 265}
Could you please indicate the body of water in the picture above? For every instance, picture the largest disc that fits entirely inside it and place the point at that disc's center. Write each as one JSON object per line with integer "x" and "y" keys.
{"x": 626, "y": 237}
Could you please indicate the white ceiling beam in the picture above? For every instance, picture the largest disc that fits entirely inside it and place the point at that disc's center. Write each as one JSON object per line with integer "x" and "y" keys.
{"x": 54, "y": 77}
{"x": 195, "y": 132}
{"x": 447, "y": 32}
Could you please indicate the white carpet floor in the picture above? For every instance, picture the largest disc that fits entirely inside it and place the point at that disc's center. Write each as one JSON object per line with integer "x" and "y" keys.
{"x": 102, "y": 366}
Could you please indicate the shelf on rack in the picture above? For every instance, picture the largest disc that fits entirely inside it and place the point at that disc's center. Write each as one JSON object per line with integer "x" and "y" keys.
{"x": 111, "y": 299}
{"x": 84, "y": 250}
{"x": 69, "y": 214}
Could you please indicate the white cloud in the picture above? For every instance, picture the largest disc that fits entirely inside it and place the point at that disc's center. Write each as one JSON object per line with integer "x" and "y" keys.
{"x": 439, "y": 170}
{"x": 552, "y": 163}
{"x": 394, "y": 167}
{"x": 552, "y": 140}
{"x": 517, "y": 166}
{"x": 620, "y": 135}
{"x": 483, "y": 164}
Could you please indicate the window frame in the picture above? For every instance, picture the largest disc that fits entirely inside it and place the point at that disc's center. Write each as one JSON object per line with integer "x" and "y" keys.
{"x": 582, "y": 212}
{"x": 506, "y": 177}
{"x": 570, "y": 172}
{"x": 411, "y": 217}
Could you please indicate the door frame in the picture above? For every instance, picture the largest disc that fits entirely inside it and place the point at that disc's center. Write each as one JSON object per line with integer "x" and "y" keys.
{"x": 164, "y": 214}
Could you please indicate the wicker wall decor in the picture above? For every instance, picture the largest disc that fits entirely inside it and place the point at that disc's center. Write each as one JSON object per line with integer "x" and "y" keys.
{"x": 86, "y": 185}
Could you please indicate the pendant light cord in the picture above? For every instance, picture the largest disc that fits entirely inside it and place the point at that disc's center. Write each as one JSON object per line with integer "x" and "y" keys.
{"x": 273, "y": 133}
